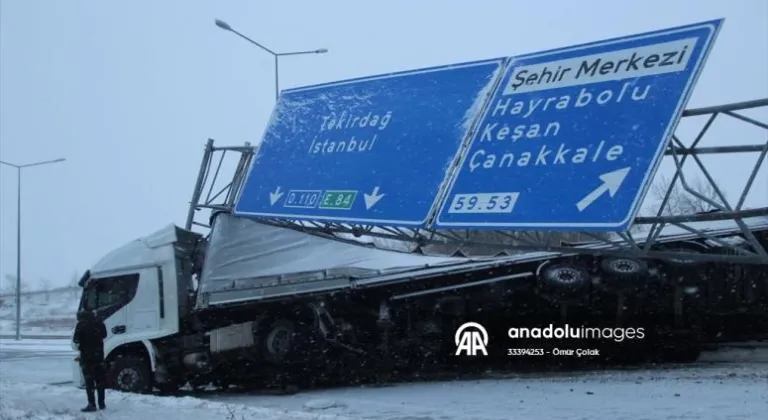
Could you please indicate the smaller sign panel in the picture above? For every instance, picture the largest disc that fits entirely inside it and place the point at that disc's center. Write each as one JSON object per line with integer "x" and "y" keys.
{"x": 374, "y": 150}
{"x": 572, "y": 137}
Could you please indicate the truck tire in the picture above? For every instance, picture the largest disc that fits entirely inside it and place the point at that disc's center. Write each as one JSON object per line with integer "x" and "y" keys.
{"x": 622, "y": 273}
{"x": 682, "y": 262}
{"x": 685, "y": 272}
{"x": 278, "y": 341}
{"x": 130, "y": 374}
{"x": 563, "y": 280}
{"x": 625, "y": 267}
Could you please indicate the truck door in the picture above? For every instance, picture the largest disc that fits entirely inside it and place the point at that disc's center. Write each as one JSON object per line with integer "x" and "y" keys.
{"x": 109, "y": 297}
{"x": 144, "y": 311}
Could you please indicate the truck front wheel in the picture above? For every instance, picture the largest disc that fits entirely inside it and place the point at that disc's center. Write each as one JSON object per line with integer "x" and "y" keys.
{"x": 129, "y": 374}
{"x": 279, "y": 340}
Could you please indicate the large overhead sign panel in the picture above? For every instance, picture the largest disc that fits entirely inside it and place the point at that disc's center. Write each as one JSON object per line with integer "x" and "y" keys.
{"x": 374, "y": 150}
{"x": 567, "y": 139}
{"x": 572, "y": 137}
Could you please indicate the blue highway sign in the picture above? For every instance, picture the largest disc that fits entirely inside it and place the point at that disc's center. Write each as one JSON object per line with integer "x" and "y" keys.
{"x": 374, "y": 150}
{"x": 571, "y": 138}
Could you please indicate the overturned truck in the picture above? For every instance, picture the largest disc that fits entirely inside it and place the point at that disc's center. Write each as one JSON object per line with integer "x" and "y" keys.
{"x": 255, "y": 302}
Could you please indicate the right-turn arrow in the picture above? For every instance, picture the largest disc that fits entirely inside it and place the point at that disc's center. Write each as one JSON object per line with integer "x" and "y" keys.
{"x": 611, "y": 183}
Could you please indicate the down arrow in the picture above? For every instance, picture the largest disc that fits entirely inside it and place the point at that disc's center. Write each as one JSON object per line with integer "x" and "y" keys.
{"x": 274, "y": 196}
{"x": 372, "y": 198}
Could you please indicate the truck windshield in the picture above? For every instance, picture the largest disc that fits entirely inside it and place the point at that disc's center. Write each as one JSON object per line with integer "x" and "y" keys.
{"x": 108, "y": 292}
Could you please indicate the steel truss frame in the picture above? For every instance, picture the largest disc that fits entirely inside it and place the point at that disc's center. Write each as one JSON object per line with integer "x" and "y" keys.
{"x": 208, "y": 194}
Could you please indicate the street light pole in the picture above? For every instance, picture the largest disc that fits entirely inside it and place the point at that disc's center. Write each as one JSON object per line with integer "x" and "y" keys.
{"x": 277, "y": 77}
{"x": 18, "y": 233}
{"x": 18, "y": 253}
{"x": 225, "y": 26}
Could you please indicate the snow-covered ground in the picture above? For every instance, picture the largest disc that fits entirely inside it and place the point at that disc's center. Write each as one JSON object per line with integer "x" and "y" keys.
{"x": 42, "y": 313}
{"x": 725, "y": 385}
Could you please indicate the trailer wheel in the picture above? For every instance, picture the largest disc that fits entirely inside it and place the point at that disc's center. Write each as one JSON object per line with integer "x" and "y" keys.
{"x": 624, "y": 267}
{"x": 684, "y": 271}
{"x": 682, "y": 261}
{"x": 278, "y": 341}
{"x": 623, "y": 273}
{"x": 687, "y": 247}
{"x": 129, "y": 374}
{"x": 566, "y": 280}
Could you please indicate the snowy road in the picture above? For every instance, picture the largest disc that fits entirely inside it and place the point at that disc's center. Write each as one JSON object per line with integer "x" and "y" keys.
{"x": 736, "y": 390}
{"x": 34, "y": 349}
{"x": 732, "y": 391}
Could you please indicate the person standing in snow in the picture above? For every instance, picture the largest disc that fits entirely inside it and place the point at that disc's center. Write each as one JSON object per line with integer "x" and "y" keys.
{"x": 89, "y": 336}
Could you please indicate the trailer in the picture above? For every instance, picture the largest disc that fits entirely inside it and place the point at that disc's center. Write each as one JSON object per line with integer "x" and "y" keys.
{"x": 253, "y": 301}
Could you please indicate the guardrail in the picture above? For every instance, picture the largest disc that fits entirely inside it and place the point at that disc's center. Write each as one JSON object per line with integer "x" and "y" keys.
{"x": 36, "y": 337}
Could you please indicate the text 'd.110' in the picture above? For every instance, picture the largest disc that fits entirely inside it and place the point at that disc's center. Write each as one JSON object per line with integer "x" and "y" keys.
{"x": 502, "y": 202}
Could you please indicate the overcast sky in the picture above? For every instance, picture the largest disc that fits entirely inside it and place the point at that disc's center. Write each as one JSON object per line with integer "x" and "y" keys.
{"x": 128, "y": 93}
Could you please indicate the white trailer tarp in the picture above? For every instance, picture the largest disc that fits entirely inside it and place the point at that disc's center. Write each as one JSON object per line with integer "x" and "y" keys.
{"x": 249, "y": 260}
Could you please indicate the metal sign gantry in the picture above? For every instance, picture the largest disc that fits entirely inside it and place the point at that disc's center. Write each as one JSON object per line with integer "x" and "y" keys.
{"x": 214, "y": 192}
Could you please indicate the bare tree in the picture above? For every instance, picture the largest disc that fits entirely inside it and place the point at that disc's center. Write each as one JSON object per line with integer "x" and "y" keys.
{"x": 9, "y": 285}
{"x": 45, "y": 285}
{"x": 75, "y": 279}
{"x": 681, "y": 201}
{"x": 74, "y": 283}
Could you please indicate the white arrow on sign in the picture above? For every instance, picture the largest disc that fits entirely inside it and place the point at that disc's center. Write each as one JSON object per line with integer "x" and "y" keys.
{"x": 274, "y": 196}
{"x": 611, "y": 183}
{"x": 372, "y": 198}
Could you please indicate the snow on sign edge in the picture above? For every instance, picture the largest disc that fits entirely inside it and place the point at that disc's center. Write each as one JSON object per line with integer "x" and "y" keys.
{"x": 471, "y": 116}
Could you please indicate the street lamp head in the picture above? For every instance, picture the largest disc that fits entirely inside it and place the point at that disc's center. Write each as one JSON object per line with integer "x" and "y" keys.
{"x": 321, "y": 51}
{"x": 223, "y": 25}
{"x": 44, "y": 162}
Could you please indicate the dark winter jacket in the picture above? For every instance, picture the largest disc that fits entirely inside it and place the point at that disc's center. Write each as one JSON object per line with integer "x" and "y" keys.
{"x": 89, "y": 336}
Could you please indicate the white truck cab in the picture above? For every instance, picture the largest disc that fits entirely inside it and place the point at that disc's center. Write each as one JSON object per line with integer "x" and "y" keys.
{"x": 139, "y": 290}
